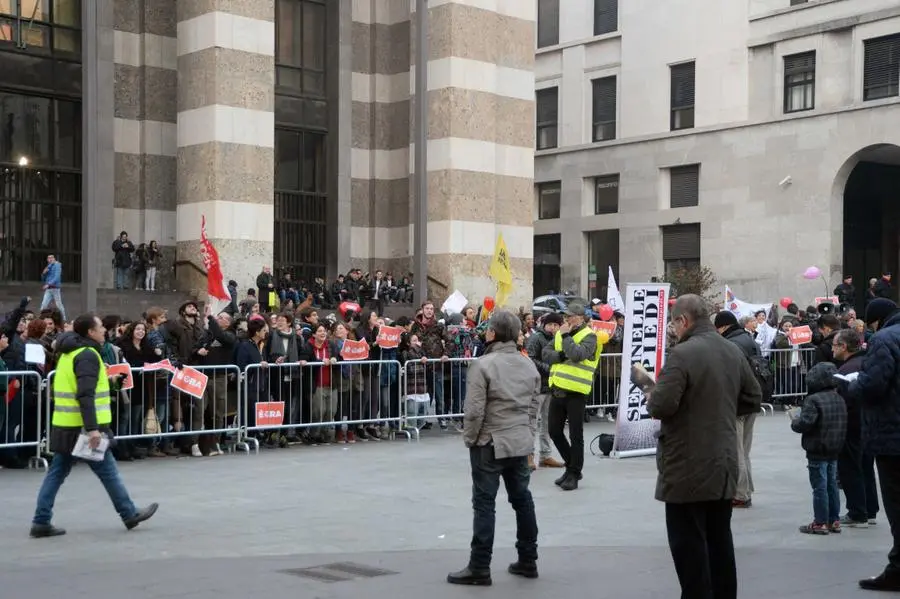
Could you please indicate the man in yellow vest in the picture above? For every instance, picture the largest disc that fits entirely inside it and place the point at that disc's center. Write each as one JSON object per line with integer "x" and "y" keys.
{"x": 573, "y": 357}
{"x": 81, "y": 395}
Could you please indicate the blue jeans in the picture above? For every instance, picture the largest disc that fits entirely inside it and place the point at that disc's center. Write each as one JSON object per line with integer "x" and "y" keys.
{"x": 122, "y": 278}
{"x": 487, "y": 470}
{"x": 458, "y": 376}
{"x": 59, "y": 470}
{"x": 826, "y": 497}
{"x": 52, "y": 294}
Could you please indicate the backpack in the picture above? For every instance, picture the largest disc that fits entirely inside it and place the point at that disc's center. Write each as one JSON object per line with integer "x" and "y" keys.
{"x": 762, "y": 371}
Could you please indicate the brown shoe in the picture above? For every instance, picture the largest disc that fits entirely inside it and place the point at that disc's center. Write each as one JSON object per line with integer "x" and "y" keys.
{"x": 551, "y": 463}
{"x": 531, "y": 465}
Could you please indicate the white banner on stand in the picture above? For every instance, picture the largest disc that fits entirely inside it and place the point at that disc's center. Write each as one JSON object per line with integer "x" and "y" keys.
{"x": 644, "y": 343}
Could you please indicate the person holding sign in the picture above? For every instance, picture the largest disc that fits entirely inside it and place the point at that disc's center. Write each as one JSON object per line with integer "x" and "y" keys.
{"x": 368, "y": 329}
{"x": 790, "y": 368}
{"x": 81, "y": 393}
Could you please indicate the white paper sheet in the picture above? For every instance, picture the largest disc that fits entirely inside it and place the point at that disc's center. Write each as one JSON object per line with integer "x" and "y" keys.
{"x": 455, "y": 303}
{"x": 84, "y": 451}
{"x": 34, "y": 353}
{"x": 847, "y": 377}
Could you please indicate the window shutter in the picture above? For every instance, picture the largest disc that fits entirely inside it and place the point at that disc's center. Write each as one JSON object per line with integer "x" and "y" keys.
{"x": 800, "y": 63}
{"x": 547, "y": 249}
{"x": 605, "y": 100}
{"x": 681, "y": 242}
{"x": 547, "y": 105}
{"x": 882, "y": 61}
{"x": 683, "y": 85}
{"x": 684, "y": 186}
{"x": 606, "y": 16}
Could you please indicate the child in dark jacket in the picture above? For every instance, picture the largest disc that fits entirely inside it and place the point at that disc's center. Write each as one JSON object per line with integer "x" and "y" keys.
{"x": 823, "y": 423}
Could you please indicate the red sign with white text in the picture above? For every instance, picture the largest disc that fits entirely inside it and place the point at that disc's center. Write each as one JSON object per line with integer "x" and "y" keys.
{"x": 117, "y": 369}
{"x": 389, "y": 337}
{"x": 800, "y": 335}
{"x": 163, "y": 365}
{"x": 190, "y": 381}
{"x": 355, "y": 350}
{"x": 270, "y": 413}
{"x": 602, "y": 325}
{"x": 832, "y": 298}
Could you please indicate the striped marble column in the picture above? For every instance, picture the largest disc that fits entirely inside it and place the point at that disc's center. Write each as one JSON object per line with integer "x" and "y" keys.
{"x": 480, "y": 142}
{"x": 225, "y": 135}
{"x": 144, "y": 126}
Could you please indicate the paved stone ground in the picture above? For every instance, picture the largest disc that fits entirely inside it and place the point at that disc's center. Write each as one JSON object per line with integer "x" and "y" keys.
{"x": 230, "y": 527}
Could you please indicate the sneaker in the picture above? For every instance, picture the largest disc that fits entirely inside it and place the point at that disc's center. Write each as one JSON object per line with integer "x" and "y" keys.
{"x": 373, "y": 433}
{"x": 341, "y": 437}
{"x": 42, "y": 531}
{"x": 351, "y": 437}
{"x": 551, "y": 463}
{"x": 361, "y": 434}
{"x": 846, "y": 521}
{"x": 195, "y": 451}
{"x": 443, "y": 425}
{"x": 814, "y": 528}
{"x": 155, "y": 452}
{"x": 141, "y": 515}
{"x": 215, "y": 450}
{"x": 741, "y": 504}
{"x": 835, "y": 527}
{"x": 172, "y": 451}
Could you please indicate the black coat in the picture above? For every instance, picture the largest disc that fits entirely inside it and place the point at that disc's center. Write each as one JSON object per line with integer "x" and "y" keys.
{"x": 823, "y": 417}
{"x": 743, "y": 340}
{"x": 824, "y": 351}
{"x": 854, "y": 421}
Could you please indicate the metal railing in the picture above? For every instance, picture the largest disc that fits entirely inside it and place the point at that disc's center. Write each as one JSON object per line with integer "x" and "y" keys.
{"x": 22, "y": 418}
{"x": 435, "y": 391}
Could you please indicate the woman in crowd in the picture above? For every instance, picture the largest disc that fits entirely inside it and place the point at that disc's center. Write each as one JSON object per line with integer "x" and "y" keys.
{"x": 249, "y": 352}
{"x": 136, "y": 351}
{"x": 320, "y": 352}
{"x": 152, "y": 264}
{"x": 367, "y": 331}
{"x": 789, "y": 366}
{"x": 345, "y": 385}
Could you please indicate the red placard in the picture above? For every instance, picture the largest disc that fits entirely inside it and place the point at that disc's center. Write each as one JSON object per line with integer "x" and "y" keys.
{"x": 800, "y": 335}
{"x": 355, "y": 350}
{"x": 388, "y": 337}
{"x": 163, "y": 365}
{"x": 191, "y": 381}
{"x": 832, "y": 298}
{"x": 125, "y": 369}
{"x": 270, "y": 413}
{"x": 602, "y": 325}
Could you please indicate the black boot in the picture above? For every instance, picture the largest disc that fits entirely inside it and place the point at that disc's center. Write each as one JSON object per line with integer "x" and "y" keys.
{"x": 569, "y": 482}
{"x": 41, "y": 531}
{"x": 559, "y": 481}
{"x": 882, "y": 582}
{"x": 467, "y": 576}
{"x": 523, "y": 569}
{"x": 141, "y": 515}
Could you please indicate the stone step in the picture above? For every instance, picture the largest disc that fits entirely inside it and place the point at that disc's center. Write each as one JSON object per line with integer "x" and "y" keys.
{"x": 127, "y": 303}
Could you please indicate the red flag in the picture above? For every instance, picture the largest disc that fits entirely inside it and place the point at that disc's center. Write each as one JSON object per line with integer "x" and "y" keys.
{"x": 215, "y": 280}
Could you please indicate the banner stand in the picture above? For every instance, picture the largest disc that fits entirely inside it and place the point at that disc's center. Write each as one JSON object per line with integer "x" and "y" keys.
{"x": 634, "y": 453}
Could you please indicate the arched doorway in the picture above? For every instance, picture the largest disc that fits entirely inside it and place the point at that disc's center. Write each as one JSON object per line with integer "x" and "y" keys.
{"x": 871, "y": 220}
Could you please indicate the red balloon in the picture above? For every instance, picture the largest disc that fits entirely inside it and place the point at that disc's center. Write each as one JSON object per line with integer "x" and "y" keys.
{"x": 489, "y": 304}
{"x": 346, "y": 307}
{"x": 672, "y": 301}
{"x": 785, "y": 302}
{"x": 606, "y": 312}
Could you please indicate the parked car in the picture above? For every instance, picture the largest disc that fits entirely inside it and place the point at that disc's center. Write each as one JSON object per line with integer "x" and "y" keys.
{"x": 546, "y": 304}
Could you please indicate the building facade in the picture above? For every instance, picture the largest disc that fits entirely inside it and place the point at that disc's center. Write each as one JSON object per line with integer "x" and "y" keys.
{"x": 288, "y": 125}
{"x": 755, "y": 137}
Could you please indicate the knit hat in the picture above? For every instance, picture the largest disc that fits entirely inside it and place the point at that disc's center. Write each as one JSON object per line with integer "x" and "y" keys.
{"x": 725, "y": 319}
{"x": 879, "y": 309}
{"x": 553, "y": 318}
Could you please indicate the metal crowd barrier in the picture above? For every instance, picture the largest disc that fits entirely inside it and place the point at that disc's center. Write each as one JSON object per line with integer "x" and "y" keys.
{"x": 435, "y": 391}
{"x": 789, "y": 367}
{"x": 322, "y": 403}
{"x": 605, "y": 392}
{"x": 156, "y": 416}
{"x": 22, "y": 417}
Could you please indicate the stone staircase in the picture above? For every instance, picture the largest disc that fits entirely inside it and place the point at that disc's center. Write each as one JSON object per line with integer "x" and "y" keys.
{"x": 128, "y": 304}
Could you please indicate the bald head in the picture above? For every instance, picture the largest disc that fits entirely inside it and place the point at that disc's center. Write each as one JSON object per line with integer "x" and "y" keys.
{"x": 687, "y": 312}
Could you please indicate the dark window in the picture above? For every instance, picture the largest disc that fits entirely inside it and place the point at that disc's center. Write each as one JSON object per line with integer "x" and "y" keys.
{"x": 547, "y": 101}
{"x": 604, "y": 108}
{"x": 546, "y": 264}
{"x": 48, "y": 27}
{"x": 681, "y": 246}
{"x": 548, "y": 200}
{"x": 606, "y": 194}
{"x": 682, "y": 99}
{"x": 800, "y": 82}
{"x": 684, "y": 186}
{"x": 547, "y": 23}
{"x": 300, "y": 46}
{"x": 606, "y": 16}
{"x": 796, "y": 2}
{"x": 881, "y": 70}
{"x": 603, "y": 252}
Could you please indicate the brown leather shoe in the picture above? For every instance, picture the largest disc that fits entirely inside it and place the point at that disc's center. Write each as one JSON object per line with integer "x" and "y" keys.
{"x": 551, "y": 463}
{"x": 531, "y": 462}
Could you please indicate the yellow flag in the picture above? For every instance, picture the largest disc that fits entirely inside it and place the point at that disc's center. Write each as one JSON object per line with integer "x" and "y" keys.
{"x": 503, "y": 291}
{"x": 500, "y": 267}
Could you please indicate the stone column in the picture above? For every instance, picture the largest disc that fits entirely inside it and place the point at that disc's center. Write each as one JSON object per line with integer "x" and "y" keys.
{"x": 226, "y": 136}
{"x": 480, "y": 143}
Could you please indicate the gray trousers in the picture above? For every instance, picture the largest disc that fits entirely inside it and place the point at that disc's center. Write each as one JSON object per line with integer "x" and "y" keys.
{"x": 543, "y": 430}
{"x": 745, "y": 442}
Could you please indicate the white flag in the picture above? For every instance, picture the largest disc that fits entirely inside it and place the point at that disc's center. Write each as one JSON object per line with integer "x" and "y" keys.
{"x": 741, "y": 308}
{"x": 613, "y": 297}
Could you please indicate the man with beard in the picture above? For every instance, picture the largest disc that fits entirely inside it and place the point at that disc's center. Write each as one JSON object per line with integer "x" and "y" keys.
{"x": 185, "y": 337}
{"x": 431, "y": 334}
{"x": 221, "y": 341}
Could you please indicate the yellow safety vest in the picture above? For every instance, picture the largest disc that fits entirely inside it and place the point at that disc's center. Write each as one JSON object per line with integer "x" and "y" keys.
{"x": 577, "y": 377}
{"x": 66, "y": 411}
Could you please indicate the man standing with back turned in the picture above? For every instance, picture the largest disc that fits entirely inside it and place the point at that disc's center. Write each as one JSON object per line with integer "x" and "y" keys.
{"x": 81, "y": 394}
{"x": 705, "y": 383}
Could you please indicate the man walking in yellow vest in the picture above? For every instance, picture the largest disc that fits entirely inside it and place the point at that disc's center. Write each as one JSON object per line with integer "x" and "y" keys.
{"x": 81, "y": 395}
{"x": 573, "y": 356}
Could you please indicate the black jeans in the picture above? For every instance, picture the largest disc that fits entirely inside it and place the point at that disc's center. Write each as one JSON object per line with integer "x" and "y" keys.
{"x": 569, "y": 407}
{"x": 889, "y": 476}
{"x": 487, "y": 471}
{"x": 857, "y": 473}
{"x": 702, "y": 548}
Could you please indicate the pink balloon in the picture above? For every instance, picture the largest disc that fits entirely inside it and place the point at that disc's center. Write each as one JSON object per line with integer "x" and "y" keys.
{"x": 605, "y": 312}
{"x": 812, "y": 272}
{"x": 785, "y": 302}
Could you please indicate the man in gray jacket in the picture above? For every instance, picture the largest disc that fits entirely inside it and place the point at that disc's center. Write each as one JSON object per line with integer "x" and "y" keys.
{"x": 498, "y": 428}
{"x": 535, "y": 346}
